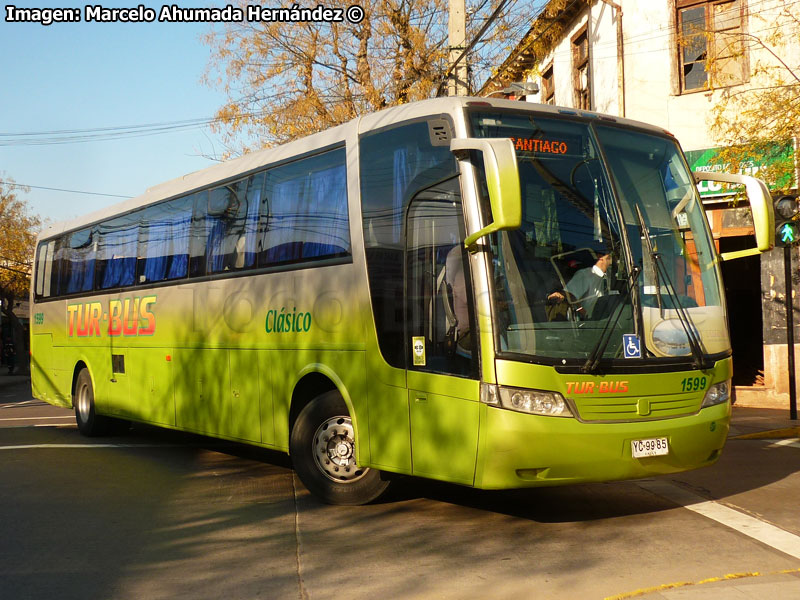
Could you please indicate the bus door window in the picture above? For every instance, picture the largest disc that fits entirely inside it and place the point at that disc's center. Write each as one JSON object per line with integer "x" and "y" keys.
{"x": 438, "y": 290}
{"x": 44, "y": 269}
{"x": 395, "y": 164}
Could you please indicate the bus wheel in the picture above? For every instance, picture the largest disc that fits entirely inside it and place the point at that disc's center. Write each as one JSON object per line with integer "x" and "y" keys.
{"x": 90, "y": 423}
{"x": 322, "y": 447}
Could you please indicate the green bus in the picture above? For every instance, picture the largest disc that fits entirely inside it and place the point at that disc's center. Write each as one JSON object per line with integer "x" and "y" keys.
{"x": 492, "y": 293}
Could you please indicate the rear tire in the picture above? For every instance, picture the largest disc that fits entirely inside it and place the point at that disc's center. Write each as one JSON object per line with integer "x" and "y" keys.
{"x": 90, "y": 424}
{"x": 322, "y": 447}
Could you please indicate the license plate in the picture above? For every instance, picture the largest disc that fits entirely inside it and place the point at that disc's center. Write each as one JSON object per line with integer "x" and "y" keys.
{"x": 650, "y": 447}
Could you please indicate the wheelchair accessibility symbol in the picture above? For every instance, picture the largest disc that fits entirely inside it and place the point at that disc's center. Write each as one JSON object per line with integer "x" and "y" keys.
{"x": 632, "y": 346}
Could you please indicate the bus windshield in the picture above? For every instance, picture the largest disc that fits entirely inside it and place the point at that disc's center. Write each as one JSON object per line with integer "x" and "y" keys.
{"x": 613, "y": 246}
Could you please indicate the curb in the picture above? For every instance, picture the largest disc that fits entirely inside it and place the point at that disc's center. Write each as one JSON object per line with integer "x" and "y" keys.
{"x": 772, "y": 434}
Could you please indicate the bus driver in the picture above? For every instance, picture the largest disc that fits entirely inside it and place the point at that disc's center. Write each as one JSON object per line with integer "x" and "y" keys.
{"x": 591, "y": 283}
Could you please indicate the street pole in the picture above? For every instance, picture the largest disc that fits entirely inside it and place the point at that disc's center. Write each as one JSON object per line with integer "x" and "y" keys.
{"x": 457, "y": 35}
{"x": 787, "y": 273}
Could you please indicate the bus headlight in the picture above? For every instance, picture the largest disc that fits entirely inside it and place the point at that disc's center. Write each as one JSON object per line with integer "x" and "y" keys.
{"x": 717, "y": 393}
{"x": 534, "y": 402}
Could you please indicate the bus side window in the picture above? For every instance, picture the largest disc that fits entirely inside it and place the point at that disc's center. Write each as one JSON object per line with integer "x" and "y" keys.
{"x": 246, "y": 243}
{"x": 304, "y": 212}
{"x": 76, "y": 257}
{"x": 224, "y": 220}
{"x": 164, "y": 240}
{"x": 231, "y": 225}
{"x": 116, "y": 252}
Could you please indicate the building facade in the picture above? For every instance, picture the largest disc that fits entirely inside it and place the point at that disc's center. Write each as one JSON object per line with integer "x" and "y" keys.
{"x": 668, "y": 63}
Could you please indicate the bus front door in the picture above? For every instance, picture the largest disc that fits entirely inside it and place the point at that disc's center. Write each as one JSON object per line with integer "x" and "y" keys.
{"x": 443, "y": 387}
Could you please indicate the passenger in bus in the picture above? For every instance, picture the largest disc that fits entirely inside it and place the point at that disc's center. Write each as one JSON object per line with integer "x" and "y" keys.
{"x": 457, "y": 304}
{"x": 591, "y": 283}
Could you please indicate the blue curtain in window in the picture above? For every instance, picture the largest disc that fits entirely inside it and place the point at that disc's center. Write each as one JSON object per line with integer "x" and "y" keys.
{"x": 251, "y": 221}
{"x": 231, "y": 228}
{"x": 167, "y": 246}
{"x": 180, "y": 229}
{"x": 282, "y": 241}
{"x": 81, "y": 267}
{"x": 75, "y": 270}
{"x": 402, "y": 177}
{"x": 328, "y": 232}
{"x": 118, "y": 251}
{"x": 215, "y": 246}
{"x": 158, "y": 240}
{"x": 307, "y": 210}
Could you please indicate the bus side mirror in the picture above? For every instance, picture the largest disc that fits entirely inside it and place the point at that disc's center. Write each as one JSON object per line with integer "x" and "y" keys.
{"x": 502, "y": 181}
{"x": 760, "y": 207}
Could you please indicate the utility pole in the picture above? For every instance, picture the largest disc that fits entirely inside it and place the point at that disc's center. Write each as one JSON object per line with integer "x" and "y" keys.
{"x": 457, "y": 26}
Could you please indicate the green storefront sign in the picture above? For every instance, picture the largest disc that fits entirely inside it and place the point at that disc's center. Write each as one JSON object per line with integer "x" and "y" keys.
{"x": 705, "y": 161}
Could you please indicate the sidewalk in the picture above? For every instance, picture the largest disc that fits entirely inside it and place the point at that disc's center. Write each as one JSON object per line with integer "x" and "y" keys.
{"x": 754, "y": 423}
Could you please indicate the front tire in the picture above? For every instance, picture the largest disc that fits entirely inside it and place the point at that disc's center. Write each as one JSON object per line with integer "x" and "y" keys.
{"x": 90, "y": 424}
{"x": 322, "y": 447}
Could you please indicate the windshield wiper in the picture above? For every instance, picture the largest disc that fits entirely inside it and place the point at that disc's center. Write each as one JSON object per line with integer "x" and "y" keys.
{"x": 692, "y": 337}
{"x": 593, "y": 360}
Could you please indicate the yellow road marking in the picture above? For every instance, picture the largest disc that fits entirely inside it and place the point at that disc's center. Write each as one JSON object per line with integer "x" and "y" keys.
{"x": 669, "y": 586}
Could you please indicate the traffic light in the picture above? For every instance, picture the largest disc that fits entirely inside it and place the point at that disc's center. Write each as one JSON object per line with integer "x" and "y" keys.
{"x": 787, "y": 220}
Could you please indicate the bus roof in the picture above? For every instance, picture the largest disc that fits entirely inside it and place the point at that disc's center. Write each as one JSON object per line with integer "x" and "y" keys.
{"x": 253, "y": 161}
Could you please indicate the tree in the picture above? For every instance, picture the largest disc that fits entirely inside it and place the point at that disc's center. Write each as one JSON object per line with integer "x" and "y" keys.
{"x": 759, "y": 123}
{"x": 17, "y": 242}
{"x": 285, "y": 80}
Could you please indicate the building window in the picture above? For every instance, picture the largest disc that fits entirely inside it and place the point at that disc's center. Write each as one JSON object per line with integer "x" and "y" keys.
{"x": 710, "y": 43}
{"x": 580, "y": 69}
{"x": 548, "y": 86}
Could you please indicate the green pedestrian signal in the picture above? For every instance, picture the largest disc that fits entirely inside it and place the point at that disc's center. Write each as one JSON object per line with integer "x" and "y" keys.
{"x": 787, "y": 221}
{"x": 788, "y": 234}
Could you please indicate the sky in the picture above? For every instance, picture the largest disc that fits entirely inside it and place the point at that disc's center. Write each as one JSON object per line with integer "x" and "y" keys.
{"x": 79, "y": 76}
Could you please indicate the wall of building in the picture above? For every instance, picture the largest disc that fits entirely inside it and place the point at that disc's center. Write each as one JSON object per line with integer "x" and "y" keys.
{"x": 651, "y": 76}
{"x": 600, "y": 20}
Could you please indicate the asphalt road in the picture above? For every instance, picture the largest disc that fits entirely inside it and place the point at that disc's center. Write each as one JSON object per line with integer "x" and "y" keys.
{"x": 158, "y": 514}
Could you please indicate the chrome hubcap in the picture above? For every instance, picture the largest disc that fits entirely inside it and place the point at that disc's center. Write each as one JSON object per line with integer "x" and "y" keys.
{"x": 83, "y": 403}
{"x": 334, "y": 450}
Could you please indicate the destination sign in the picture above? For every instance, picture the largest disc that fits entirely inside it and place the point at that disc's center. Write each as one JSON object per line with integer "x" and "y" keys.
{"x": 544, "y": 146}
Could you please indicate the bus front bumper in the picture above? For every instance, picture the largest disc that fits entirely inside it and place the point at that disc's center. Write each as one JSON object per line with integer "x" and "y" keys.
{"x": 519, "y": 450}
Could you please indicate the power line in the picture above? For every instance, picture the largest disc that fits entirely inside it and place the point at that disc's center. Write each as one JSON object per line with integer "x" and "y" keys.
{"x": 47, "y": 138}
{"x": 74, "y": 136}
{"x": 474, "y": 41}
{"x": 40, "y": 187}
{"x": 115, "y": 128}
